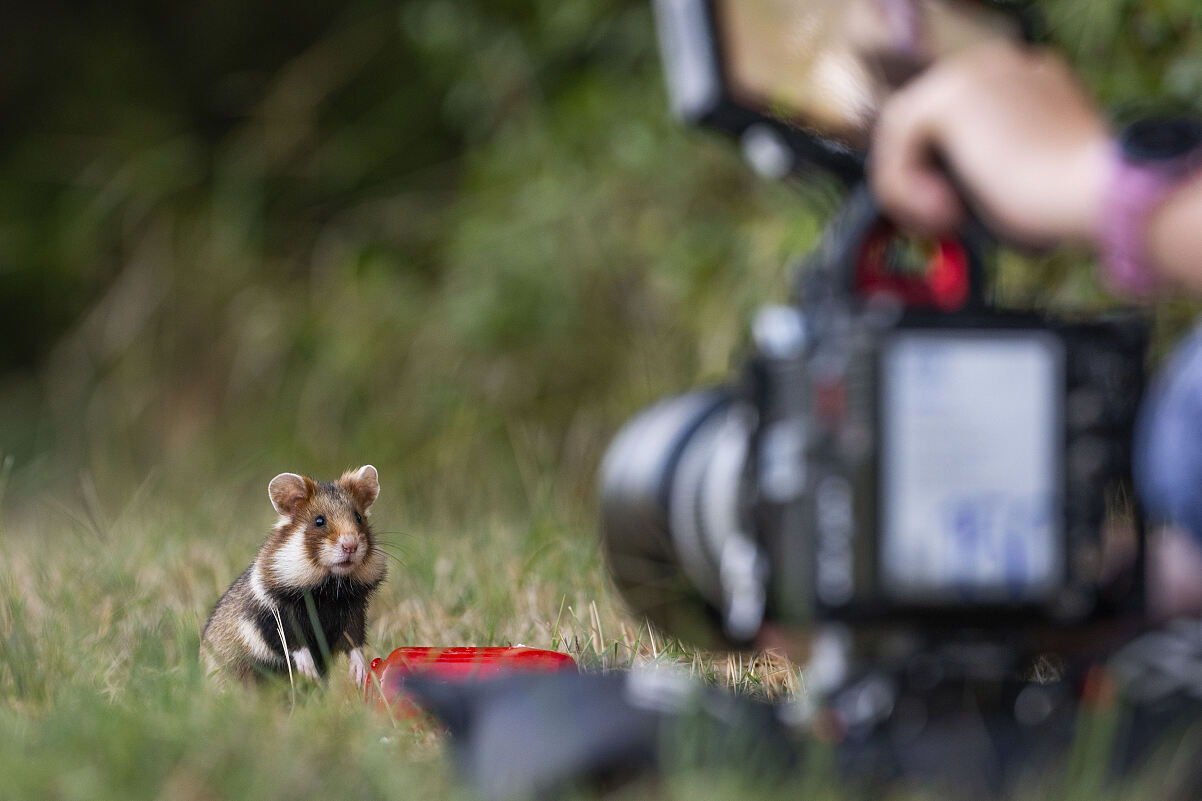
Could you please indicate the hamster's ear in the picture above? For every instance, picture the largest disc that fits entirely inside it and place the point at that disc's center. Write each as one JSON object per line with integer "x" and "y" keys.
{"x": 363, "y": 485}
{"x": 288, "y": 492}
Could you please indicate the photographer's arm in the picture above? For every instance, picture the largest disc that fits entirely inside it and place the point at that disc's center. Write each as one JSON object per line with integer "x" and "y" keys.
{"x": 1029, "y": 151}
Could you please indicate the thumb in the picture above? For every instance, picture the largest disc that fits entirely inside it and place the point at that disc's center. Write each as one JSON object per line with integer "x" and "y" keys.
{"x": 909, "y": 183}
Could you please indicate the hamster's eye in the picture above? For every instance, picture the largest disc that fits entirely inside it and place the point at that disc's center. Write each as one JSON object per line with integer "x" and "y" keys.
{"x": 320, "y": 521}
{"x": 358, "y": 518}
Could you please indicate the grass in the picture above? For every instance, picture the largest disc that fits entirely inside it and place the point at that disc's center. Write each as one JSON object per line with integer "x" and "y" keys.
{"x": 100, "y": 615}
{"x": 102, "y": 695}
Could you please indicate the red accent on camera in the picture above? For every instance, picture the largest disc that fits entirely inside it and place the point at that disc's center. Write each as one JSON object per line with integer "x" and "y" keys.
{"x": 385, "y": 683}
{"x": 944, "y": 285}
{"x": 949, "y": 275}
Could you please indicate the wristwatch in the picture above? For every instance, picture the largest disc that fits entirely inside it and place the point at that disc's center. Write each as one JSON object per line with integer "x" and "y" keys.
{"x": 1153, "y": 156}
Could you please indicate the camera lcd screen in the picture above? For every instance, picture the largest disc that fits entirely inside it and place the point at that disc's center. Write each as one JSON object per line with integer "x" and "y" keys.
{"x": 826, "y": 65}
{"x": 970, "y": 474}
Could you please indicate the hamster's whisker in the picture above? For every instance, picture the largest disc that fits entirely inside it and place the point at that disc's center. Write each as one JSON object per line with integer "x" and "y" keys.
{"x": 391, "y": 556}
{"x": 387, "y": 535}
{"x": 394, "y": 546}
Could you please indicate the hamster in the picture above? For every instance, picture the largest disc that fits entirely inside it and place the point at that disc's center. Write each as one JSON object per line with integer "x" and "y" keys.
{"x": 321, "y": 561}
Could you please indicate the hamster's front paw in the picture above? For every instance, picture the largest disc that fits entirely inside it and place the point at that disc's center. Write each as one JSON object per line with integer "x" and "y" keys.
{"x": 302, "y": 660}
{"x": 358, "y": 669}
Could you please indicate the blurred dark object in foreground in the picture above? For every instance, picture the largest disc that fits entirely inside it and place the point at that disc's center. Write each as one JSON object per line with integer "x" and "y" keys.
{"x": 524, "y": 736}
{"x": 537, "y": 736}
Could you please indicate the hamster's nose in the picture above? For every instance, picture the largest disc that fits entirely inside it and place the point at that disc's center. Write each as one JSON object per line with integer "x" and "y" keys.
{"x": 348, "y": 545}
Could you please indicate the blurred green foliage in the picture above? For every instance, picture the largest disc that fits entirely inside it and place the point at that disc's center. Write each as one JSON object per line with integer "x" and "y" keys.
{"x": 429, "y": 234}
{"x": 444, "y": 236}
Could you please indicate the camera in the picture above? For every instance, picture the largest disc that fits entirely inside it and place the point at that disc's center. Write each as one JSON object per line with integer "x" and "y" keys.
{"x": 898, "y": 451}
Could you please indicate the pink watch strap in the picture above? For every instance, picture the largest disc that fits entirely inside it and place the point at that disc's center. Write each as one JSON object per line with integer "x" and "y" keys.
{"x": 1132, "y": 193}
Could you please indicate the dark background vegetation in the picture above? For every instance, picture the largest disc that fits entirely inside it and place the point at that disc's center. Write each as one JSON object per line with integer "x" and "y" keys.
{"x": 237, "y": 237}
{"x": 234, "y": 236}
{"x": 459, "y": 240}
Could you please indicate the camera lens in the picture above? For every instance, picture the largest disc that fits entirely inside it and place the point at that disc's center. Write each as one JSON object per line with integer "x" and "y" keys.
{"x": 672, "y": 505}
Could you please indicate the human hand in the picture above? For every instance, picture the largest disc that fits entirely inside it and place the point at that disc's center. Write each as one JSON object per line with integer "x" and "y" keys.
{"x": 1006, "y": 129}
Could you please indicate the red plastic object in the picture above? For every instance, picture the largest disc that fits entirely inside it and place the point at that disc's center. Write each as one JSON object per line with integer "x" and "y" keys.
{"x": 385, "y": 684}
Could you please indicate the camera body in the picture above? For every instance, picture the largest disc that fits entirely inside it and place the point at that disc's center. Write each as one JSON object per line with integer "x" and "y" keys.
{"x": 897, "y": 452}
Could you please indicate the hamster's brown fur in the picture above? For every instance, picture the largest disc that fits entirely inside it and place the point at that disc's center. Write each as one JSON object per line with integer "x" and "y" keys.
{"x": 305, "y": 595}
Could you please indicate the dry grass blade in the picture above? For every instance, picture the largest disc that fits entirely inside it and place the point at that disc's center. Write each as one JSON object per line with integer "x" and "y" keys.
{"x": 279, "y": 627}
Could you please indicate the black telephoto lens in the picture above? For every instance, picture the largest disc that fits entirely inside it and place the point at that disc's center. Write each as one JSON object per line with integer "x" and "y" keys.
{"x": 672, "y": 490}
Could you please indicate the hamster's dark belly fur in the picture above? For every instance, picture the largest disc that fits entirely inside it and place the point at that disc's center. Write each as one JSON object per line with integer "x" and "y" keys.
{"x": 337, "y": 606}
